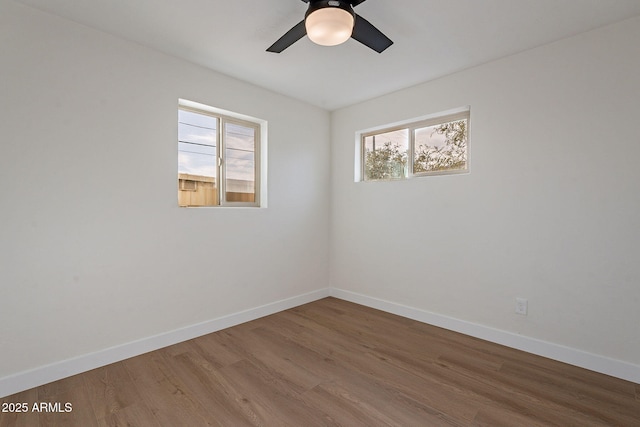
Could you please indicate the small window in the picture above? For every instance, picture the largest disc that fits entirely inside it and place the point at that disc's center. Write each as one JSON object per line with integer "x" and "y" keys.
{"x": 218, "y": 159}
{"x": 433, "y": 146}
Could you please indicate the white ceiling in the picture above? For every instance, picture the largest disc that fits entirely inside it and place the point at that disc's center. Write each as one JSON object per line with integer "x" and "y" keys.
{"x": 431, "y": 38}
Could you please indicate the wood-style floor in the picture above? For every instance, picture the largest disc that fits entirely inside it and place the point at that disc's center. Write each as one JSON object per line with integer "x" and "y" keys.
{"x": 329, "y": 363}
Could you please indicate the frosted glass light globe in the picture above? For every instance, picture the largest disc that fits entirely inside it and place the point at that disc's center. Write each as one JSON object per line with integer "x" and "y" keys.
{"x": 329, "y": 26}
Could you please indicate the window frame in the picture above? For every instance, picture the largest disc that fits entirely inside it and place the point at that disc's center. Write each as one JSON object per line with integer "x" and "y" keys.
{"x": 223, "y": 118}
{"x": 411, "y": 126}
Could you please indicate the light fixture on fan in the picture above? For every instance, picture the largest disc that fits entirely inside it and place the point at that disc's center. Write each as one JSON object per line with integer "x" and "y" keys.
{"x": 330, "y": 23}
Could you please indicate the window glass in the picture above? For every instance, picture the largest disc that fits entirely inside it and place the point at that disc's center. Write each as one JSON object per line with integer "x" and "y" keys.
{"x": 197, "y": 159}
{"x": 385, "y": 155}
{"x": 240, "y": 162}
{"x": 441, "y": 147}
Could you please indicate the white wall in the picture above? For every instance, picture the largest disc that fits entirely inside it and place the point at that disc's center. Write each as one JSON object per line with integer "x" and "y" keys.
{"x": 550, "y": 210}
{"x": 94, "y": 251}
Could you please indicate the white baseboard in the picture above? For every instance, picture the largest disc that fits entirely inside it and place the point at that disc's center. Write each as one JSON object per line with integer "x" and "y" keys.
{"x": 615, "y": 368}
{"x": 45, "y": 374}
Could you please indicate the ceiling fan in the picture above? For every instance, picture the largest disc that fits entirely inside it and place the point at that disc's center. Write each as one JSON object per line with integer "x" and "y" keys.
{"x": 331, "y": 22}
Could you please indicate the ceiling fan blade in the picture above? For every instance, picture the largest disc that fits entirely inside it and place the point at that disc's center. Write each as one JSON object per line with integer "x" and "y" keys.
{"x": 368, "y": 35}
{"x": 290, "y": 37}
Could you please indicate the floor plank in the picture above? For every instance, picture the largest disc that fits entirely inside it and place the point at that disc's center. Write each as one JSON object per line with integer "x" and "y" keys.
{"x": 132, "y": 415}
{"x": 26, "y": 417}
{"x": 81, "y": 413}
{"x": 212, "y": 389}
{"x": 165, "y": 394}
{"x": 110, "y": 390}
{"x": 331, "y": 363}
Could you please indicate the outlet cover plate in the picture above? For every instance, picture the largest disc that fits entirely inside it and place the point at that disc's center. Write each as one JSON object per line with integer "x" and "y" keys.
{"x": 522, "y": 306}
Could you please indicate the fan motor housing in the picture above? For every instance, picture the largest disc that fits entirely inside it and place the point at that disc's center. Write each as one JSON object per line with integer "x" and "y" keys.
{"x": 321, "y": 4}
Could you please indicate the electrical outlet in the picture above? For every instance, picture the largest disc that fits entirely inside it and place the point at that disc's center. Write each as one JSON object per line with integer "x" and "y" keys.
{"x": 522, "y": 306}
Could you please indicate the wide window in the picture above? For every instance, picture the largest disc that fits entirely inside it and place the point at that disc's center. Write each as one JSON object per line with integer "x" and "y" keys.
{"x": 433, "y": 146}
{"x": 218, "y": 159}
